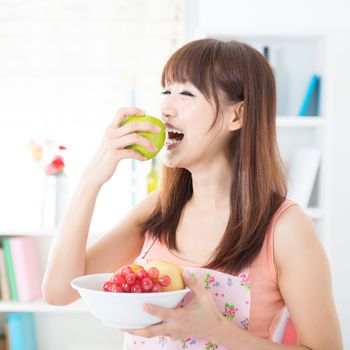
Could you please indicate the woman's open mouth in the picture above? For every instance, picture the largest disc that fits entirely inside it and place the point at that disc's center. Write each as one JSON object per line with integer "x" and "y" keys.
{"x": 174, "y": 137}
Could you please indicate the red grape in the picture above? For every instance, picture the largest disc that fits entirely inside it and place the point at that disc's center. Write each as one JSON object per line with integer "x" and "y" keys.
{"x": 125, "y": 270}
{"x": 153, "y": 272}
{"x": 126, "y": 287}
{"x": 118, "y": 279}
{"x": 141, "y": 274}
{"x": 119, "y": 289}
{"x": 164, "y": 281}
{"x": 156, "y": 288}
{"x": 107, "y": 285}
{"x": 113, "y": 288}
{"x": 146, "y": 284}
{"x": 125, "y": 280}
{"x": 136, "y": 289}
{"x": 130, "y": 278}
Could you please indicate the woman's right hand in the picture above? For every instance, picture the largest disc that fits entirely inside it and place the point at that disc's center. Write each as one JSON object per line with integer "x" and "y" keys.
{"x": 112, "y": 149}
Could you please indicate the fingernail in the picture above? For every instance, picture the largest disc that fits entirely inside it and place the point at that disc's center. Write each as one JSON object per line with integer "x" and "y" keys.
{"x": 154, "y": 148}
{"x": 157, "y": 129}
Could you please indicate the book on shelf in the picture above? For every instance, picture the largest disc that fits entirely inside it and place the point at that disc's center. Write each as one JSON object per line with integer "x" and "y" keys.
{"x": 3, "y": 345}
{"x": 26, "y": 268}
{"x": 5, "y": 293}
{"x": 302, "y": 174}
{"x": 311, "y": 102}
{"x": 21, "y": 331}
{"x": 290, "y": 336}
{"x": 22, "y": 269}
{"x": 9, "y": 269}
{"x": 6, "y": 334}
{"x": 285, "y": 332}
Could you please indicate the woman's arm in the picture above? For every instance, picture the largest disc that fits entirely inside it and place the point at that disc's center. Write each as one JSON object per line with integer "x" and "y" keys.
{"x": 304, "y": 279}
{"x": 68, "y": 257}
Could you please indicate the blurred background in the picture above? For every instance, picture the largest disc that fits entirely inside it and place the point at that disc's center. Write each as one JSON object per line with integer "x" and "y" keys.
{"x": 67, "y": 66}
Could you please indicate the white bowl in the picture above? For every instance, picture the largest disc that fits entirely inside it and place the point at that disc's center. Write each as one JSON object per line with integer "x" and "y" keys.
{"x": 122, "y": 310}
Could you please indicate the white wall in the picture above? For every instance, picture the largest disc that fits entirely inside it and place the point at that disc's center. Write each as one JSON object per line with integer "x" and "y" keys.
{"x": 61, "y": 77}
{"x": 339, "y": 179}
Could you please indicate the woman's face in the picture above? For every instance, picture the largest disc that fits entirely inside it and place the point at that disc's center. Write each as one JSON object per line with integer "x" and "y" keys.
{"x": 189, "y": 117}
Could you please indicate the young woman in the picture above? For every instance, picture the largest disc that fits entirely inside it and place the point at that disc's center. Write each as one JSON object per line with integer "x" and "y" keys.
{"x": 222, "y": 205}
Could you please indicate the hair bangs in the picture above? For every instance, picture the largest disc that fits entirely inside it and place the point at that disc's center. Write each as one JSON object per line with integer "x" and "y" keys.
{"x": 192, "y": 63}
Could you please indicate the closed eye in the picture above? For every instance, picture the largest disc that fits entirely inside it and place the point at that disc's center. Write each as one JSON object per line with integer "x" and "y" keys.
{"x": 186, "y": 93}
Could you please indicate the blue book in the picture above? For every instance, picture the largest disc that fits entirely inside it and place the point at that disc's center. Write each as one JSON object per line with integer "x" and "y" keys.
{"x": 310, "y": 105}
{"x": 21, "y": 331}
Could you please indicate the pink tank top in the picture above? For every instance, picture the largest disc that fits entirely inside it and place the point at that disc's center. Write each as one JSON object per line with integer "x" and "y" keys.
{"x": 266, "y": 302}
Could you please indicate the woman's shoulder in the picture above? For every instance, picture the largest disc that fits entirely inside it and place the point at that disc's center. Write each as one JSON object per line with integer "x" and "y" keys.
{"x": 292, "y": 222}
{"x": 294, "y": 231}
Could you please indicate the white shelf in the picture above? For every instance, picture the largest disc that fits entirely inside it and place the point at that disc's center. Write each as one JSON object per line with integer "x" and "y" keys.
{"x": 24, "y": 232}
{"x": 41, "y": 306}
{"x": 302, "y": 122}
{"x": 314, "y": 213}
{"x": 35, "y": 233}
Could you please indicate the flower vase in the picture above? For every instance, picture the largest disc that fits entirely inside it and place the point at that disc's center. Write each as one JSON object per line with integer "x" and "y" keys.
{"x": 54, "y": 200}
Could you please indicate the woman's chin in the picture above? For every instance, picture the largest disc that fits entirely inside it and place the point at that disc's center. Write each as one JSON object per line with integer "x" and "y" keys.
{"x": 169, "y": 163}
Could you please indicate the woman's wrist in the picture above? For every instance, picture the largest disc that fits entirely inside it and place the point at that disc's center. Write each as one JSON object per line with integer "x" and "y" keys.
{"x": 89, "y": 182}
{"x": 223, "y": 331}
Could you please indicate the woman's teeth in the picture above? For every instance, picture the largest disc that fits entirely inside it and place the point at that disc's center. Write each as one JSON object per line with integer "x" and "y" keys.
{"x": 173, "y": 130}
{"x": 171, "y": 141}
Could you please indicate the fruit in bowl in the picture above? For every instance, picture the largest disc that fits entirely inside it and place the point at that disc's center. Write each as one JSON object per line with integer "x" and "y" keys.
{"x": 174, "y": 272}
{"x": 125, "y": 309}
{"x": 157, "y": 139}
{"x": 156, "y": 276}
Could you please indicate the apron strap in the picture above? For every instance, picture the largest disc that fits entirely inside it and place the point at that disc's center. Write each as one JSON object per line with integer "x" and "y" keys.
{"x": 148, "y": 247}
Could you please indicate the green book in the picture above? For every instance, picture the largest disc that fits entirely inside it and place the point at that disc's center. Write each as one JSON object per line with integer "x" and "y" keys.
{"x": 9, "y": 269}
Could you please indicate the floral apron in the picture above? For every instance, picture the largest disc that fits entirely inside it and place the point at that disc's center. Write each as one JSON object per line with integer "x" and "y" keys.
{"x": 231, "y": 295}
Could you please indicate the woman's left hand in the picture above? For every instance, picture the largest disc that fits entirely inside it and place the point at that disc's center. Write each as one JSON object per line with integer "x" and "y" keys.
{"x": 198, "y": 319}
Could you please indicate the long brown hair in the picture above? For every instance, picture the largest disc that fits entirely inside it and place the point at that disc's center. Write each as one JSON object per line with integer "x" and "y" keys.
{"x": 258, "y": 175}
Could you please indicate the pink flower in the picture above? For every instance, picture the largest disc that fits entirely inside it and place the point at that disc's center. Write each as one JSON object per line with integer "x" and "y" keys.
{"x": 48, "y": 155}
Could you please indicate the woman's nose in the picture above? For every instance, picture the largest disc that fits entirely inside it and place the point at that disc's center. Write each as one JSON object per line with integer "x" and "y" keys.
{"x": 168, "y": 110}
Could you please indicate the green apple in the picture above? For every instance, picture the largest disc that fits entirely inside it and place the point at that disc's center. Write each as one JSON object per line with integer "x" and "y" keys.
{"x": 157, "y": 139}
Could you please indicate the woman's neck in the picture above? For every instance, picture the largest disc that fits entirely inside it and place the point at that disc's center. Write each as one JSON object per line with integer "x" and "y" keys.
{"x": 212, "y": 186}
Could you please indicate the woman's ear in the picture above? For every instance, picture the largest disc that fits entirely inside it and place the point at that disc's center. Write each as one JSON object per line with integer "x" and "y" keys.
{"x": 236, "y": 116}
